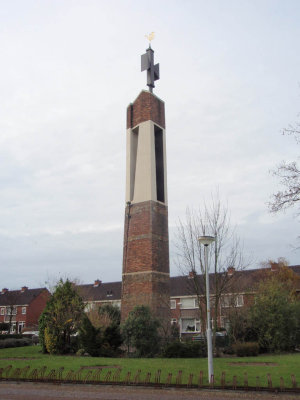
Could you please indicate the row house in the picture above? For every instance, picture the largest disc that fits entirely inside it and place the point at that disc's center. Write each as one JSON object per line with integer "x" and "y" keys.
{"x": 96, "y": 294}
{"x": 186, "y": 293}
{"x": 22, "y": 308}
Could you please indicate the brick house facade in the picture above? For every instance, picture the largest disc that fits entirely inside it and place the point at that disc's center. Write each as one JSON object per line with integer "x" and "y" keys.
{"x": 183, "y": 299}
{"x": 22, "y": 308}
{"x": 26, "y": 305}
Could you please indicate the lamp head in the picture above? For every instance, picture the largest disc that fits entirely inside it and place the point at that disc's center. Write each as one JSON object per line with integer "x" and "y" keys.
{"x": 206, "y": 240}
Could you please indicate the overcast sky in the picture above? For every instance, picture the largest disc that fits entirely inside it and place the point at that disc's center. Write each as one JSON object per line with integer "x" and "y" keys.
{"x": 230, "y": 73}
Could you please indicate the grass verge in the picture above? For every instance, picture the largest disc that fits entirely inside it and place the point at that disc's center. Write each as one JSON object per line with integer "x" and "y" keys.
{"x": 275, "y": 365}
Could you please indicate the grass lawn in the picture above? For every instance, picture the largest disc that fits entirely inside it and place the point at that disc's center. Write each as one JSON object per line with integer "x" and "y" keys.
{"x": 285, "y": 365}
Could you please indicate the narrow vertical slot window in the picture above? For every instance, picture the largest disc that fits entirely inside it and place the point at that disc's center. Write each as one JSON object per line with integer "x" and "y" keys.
{"x": 159, "y": 162}
{"x": 133, "y": 155}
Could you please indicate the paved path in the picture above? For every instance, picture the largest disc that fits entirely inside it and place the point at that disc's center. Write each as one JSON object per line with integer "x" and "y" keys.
{"x": 44, "y": 391}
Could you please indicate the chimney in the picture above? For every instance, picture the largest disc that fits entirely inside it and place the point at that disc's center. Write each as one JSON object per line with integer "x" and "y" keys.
{"x": 192, "y": 274}
{"x": 4, "y": 290}
{"x": 23, "y": 288}
{"x": 230, "y": 271}
{"x": 274, "y": 266}
{"x": 97, "y": 283}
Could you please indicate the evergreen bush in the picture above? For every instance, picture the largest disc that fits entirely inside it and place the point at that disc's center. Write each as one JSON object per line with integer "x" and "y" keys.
{"x": 11, "y": 336}
{"x": 246, "y": 349}
{"x": 185, "y": 350}
{"x": 90, "y": 338}
{"x": 14, "y": 343}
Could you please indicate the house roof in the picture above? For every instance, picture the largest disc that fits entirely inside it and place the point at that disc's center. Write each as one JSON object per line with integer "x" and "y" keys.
{"x": 101, "y": 292}
{"x": 17, "y": 297}
{"x": 181, "y": 285}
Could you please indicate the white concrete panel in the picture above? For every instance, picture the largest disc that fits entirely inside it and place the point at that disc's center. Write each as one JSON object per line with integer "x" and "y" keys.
{"x": 141, "y": 183}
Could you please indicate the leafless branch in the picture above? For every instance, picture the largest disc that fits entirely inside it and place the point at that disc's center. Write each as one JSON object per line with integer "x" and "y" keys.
{"x": 211, "y": 219}
{"x": 289, "y": 176}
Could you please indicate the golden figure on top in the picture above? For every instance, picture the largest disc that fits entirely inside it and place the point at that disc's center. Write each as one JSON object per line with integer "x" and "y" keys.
{"x": 150, "y": 36}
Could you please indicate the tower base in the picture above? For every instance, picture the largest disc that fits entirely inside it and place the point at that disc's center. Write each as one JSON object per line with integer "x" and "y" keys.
{"x": 146, "y": 279}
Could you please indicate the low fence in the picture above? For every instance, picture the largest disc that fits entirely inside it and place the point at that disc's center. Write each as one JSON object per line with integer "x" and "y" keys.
{"x": 102, "y": 376}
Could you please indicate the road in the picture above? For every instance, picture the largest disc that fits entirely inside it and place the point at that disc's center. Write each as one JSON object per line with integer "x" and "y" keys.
{"x": 44, "y": 391}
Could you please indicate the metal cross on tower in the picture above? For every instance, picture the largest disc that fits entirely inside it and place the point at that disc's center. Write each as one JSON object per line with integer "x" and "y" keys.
{"x": 147, "y": 63}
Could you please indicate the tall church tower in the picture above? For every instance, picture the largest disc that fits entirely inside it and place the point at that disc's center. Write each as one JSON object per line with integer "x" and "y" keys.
{"x": 146, "y": 276}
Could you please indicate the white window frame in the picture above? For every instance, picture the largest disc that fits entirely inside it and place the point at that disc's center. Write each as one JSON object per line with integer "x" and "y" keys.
{"x": 226, "y": 301}
{"x": 173, "y": 304}
{"x": 10, "y": 311}
{"x": 239, "y": 300}
{"x": 116, "y": 303}
{"x": 195, "y": 323}
{"x": 2, "y": 310}
{"x": 232, "y": 300}
{"x": 23, "y": 311}
{"x": 188, "y": 308}
{"x": 90, "y": 306}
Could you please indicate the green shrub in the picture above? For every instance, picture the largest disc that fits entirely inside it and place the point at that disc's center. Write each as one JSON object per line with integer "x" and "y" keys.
{"x": 185, "y": 350}
{"x": 80, "y": 352}
{"x": 61, "y": 319}
{"x": 228, "y": 350}
{"x": 275, "y": 314}
{"x": 4, "y": 326}
{"x": 246, "y": 349}
{"x": 90, "y": 338}
{"x": 112, "y": 336}
{"x": 11, "y": 336}
{"x": 140, "y": 331}
{"x": 14, "y": 343}
{"x": 50, "y": 341}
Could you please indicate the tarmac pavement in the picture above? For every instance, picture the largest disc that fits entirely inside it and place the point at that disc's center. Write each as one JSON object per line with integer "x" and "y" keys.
{"x": 46, "y": 391}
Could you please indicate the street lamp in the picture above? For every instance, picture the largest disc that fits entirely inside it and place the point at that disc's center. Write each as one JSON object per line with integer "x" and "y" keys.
{"x": 206, "y": 241}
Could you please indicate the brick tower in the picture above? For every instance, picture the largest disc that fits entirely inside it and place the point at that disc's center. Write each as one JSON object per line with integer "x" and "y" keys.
{"x": 146, "y": 277}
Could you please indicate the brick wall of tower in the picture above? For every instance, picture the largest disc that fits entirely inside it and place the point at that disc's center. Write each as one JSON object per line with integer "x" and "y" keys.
{"x": 146, "y": 107}
{"x": 146, "y": 279}
{"x": 146, "y": 238}
{"x": 146, "y": 259}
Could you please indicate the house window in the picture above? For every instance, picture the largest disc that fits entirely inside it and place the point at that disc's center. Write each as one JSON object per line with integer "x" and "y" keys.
{"x": 226, "y": 301}
{"x": 187, "y": 303}
{"x": 239, "y": 300}
{"x": 173, "y": 321}
{"x": 233, "y": 300}
{"x": 212, "y": 300}
{"x": 23, "y": 310}
{"x": 2, "y": 310}
{"x": 173, "y": 304}
{"x": 12, "y": 310}
{"x": 116, "y": 303}
{"x": 190, "y": 325}
{"x": 89, "y": 307}
{"x": 225, "y": 323}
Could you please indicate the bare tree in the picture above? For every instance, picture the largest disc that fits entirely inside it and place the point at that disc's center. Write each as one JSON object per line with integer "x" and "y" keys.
{"x": 225, "y": 252}
{"x": 289, "y": 178}
{"x": 280, "y": 262}
{"x": 289, "y": 175}
{"x": 11, "y": 311}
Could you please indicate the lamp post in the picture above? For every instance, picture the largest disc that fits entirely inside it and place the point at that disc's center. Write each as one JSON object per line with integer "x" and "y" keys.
{"x": 206, "y": 241}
